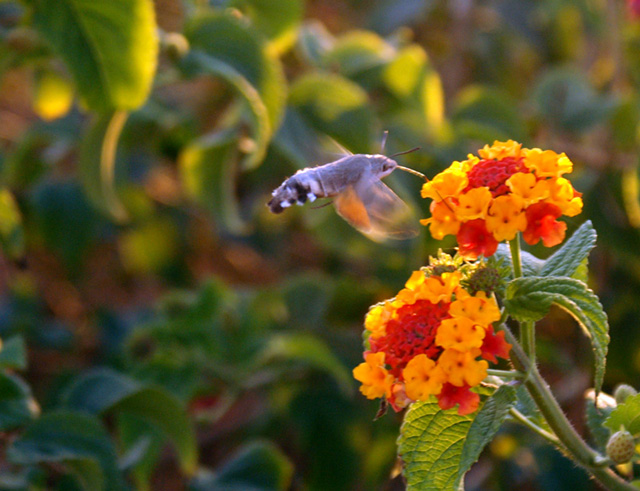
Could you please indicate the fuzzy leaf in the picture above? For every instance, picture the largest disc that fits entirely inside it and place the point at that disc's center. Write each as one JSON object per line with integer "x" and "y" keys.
{"x": 431, "y": 444}
{"x": 530, "y": 298}
{"x": 627, "y": 414}
{"x": 568, "y": 259}
{"x": 485, "y": 426}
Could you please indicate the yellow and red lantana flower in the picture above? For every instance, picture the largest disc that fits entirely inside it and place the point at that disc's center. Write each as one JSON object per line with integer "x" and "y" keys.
{"x": 432, "y": 339}
{"x": 506, "y": 189}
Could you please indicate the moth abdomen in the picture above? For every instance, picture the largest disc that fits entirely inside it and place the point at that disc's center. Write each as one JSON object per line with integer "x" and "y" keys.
{"x": 292, "y": 191}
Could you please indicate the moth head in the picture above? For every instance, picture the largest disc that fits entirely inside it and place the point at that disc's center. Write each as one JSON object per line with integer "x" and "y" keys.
{"x": 382, "y": 165}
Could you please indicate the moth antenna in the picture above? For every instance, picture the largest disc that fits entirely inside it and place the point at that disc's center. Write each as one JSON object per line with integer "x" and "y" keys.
{"x": 405, "y": 152}
{"x": 384, "y": 141}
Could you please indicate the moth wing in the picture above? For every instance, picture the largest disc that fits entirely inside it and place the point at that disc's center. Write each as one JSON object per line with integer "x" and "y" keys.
{"x": 375, "y": 210}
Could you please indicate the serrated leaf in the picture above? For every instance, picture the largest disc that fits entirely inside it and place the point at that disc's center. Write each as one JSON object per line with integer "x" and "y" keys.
{"x": 568, "y": 259}
{"x": 13, "y": 353}
{"x": 311, "y": 351}
{"x": 103, "y": 390}
{"x": 258, "y": 466}
{"x": 430, "y": 445}
{"x": 531, "y": 265}
{"x": 98, "y": 163}
{"x": 336, "y": 106}
{"x": 627, "y": 414}
{"x": 76, "y": 440}
{"x": 224, "y": 46}
{"x": 110, "y": 47}
{"x": 17, "y": 406}
{"x": 530, "y": 298}
{"x": 485, "y": 425}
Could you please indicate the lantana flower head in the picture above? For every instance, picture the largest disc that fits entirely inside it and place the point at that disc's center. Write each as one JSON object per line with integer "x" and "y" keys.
{"x": 433, "y": 339}
{"x": 505, "y": 190}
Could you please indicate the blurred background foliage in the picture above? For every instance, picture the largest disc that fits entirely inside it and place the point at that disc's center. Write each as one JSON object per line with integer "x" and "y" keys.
{"x": 162, "y": 330}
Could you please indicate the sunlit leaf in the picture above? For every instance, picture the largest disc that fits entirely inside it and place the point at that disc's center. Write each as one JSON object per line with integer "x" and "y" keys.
{"x": 102, "y": 391}
{"x": 530, "y": 298}
{"x": 356, "y": 52}
{"x": 109, "y": 47}
{"x": 11, "y": 229}
{"x": 77, "y": 441}
{"x": 278, "y": 21}
{"x": 626, "y": 414}
{"x": 336, "y": 106}
{"x": 208, "y": 170}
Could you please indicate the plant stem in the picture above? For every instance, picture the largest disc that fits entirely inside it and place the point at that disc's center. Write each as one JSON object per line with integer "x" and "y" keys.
{"x": 506, "y": 373}
{"x": 571, "y": 441}
{"x": 534, "y": 427}
{"x": 527, "y": 328}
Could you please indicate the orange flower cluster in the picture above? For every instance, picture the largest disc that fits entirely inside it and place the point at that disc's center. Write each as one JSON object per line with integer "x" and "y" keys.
{"x": 506, "y": 189}
{"x": 433, "y": 338}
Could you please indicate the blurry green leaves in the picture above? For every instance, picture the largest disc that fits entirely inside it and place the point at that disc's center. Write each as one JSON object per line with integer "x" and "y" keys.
{"x": 336, "y": 106}
{"x": 77, "y": 441}
{"x": 110, "y": 47}
{"x": 277, "y": 21}
{"x": 223, "y": 46}
{"x": 626, "y": 414}
{"x": 17, "y": 405}
{"x": 566, "y": 99}
{"x": 438, "y": 447}
{"x": 11, "y": 230}
{"x": 258, "y": 466}
{"x": 104, "y": 391}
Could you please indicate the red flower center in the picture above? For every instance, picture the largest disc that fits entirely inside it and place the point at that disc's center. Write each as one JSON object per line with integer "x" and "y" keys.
{"x": 411, "y": 333}
{"x": 494, "y": 173}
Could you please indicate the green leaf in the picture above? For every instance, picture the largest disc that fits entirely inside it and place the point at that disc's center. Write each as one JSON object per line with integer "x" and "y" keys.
{"x": 11, "y": 230}
{"x": 530, "y": 298}
{"x": 566, "y": 98}
{"x": 310, "y": 350}
{"x": 531, "y": 265}
{"x": 258, "y": 466}
{"x": 225, "y": 47}
{"x": 110, "y": 47}
{"x": 13, "y": 353}
{"x": 278, "y": 21}
{"x": 336, "y": 106}
{"x": 98, "y": 164}
{"x": 17, "y": 405}
{"x": 314, "y": 41}
{"x": 569, "y": 258}
{"x": 485, "y": 426}
{"x": 626, "y": 414}
{"x": 357, "y": 52}
{"x": 431, "y": 444}
{"x": 208, "y": 171}
{"x": 102, "y": 391}
{"x": 78, "y": 441}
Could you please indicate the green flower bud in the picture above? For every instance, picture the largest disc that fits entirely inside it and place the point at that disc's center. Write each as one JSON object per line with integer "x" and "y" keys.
{"x": 623, "y": 391}
{"x": 621, "y": 447}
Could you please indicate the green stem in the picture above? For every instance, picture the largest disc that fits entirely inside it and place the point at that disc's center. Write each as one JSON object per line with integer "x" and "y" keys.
{"x": 571, "y": 441}
{"x": 527, "y": 328}
{"x": 534, "y": 427}
{"x": 506, "y": 373}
